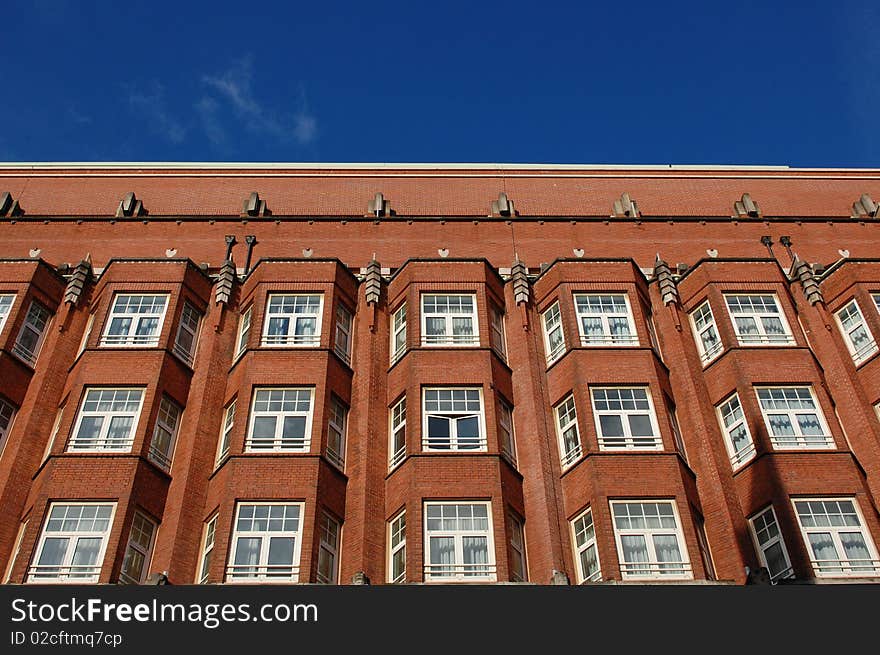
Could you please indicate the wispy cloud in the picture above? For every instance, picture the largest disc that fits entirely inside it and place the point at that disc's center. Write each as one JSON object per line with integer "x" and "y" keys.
{"x": 77, "y": 117}
{"x": 150, "y": 104}
{"x": 207, "y": 108}
{"x": 233, "y": 89}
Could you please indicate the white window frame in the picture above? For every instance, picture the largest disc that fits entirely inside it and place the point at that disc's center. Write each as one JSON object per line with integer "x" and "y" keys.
{"x": 762, "y": 337}
{"x": 278, "y": 442}
{"x": 167, "y": 422}
{"x": 190, "y": 323}
{"x": 223, "y": 445}
{"x": 130, "y": 338}
{"x": 605, "y": 317}
{"x": 517, "y": 543}
{"x": 767, "y": 519}
{"x": 397, "y": 426}
{"x": 337, "y": 430}
{"x": 398, "y": 333}
{"x": 7, "y": 302}
{"x": 31, "y": 324}
{"x": 103, "y": 442}
{"x": 209, "y": 537}
{"x": 705, "y": 329}
{"x": 839, "y": 568}
{"x": 262, "y": 571}
{"x": 137, "y": 547}
{"x": 291, "y": 339}
{"x": 497, "y": 336}
{"x": 22, "y": 527}
{"x": 65, "y": 571}
{"x": 7, "y": 418}
{"x": 798, "y": 440}
{"x": 454, "y": 444}
{"x": 730, "y": 418}
{"x": 342, "y": 339}
{"x": 853, "y": 310}
{"x": 397, "y": 545}
{"x": 244, "y": 331}
{"x": 458, "y": 570}
{"x": 627, "y": 441}
{"x": 506, "y": 434}
{"x": 449, "y": 338}
{"x": 330, "y": 533}
{"x": 583, "y": 539}
{"x": 553, "y": 313}
{"x": 653, "y": 568}
{"x": 86, "y": 334}
{"x": 565, "y": 418}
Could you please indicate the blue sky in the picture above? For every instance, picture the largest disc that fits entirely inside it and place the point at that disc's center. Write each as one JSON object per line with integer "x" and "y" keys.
{"x": 675, "y": 82}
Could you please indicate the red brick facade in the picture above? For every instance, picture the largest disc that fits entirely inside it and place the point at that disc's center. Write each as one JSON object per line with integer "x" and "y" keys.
{"x": 684, "y": 246}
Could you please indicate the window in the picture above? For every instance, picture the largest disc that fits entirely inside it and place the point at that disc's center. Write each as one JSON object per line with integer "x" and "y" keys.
{"x": 584, "y": 534}
{"x": 397, "y": 548}
{"x": 517, "y": 554}
{"x": 758, "y": 320}
{"x": 6, "y": 302}
{"x": 505, "y": 431}
{"x": 207, "y": 549}
{"x": 342, "y": 340}
{"x": 226, "y": 431}
{"x": 328, "y": 549}
{"x": 449, "y": 320}
{"x": 567, "y": 431}
{"x": 705, "y": 551}
{"x": 30, "y": 337}
{"x": 281, "y": 419}
{"x": 265, "y": 543}
{"x": 56, "y": 426}
{"x": 708, "y": 342}
{"x": 293, "y": 320}
{"x": 107, "y": 420}
{"x": 676, "y": 429}
{"x": 554, "y": 339}
{"x": 135, "y": 320}
{"x": 625, "y": 419}
{"x": 187, "y": 333}
{"x": 605, "y": 320}
{"x": 836, "y": 537}
{"x": 71, "y": 548}
{"x": 459, "y": 542}
{"x": 86, "y": 334}
{"x": 7, "y": 413}
{"x": 770, "y": 544}
{"x": 244, "y": 332}
{"x": 859, "y": 340}
{"x": 135, "y": 564}
{"x": 737, "y": 438}
{"x": 15, "y": 551}
{"x": 496, "y": 334}
{"x": 649, "y": 540}
{"x": 397, "y": 448}
{"x": 165, "y": 433}
{"x": 398, "y": 333}
{"x": 453, "y": 420}
{"x": 336, "y": 432}
{"x": 793, "y": 418}
{"x": 876, "y": 297}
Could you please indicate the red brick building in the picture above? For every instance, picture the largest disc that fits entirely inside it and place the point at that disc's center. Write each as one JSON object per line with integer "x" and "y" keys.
{"x": 438, "y": 373}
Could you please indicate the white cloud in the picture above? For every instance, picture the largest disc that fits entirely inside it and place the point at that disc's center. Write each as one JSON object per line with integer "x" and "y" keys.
{"x": 234, "y": 89}
{"x": 150, "y": 104}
